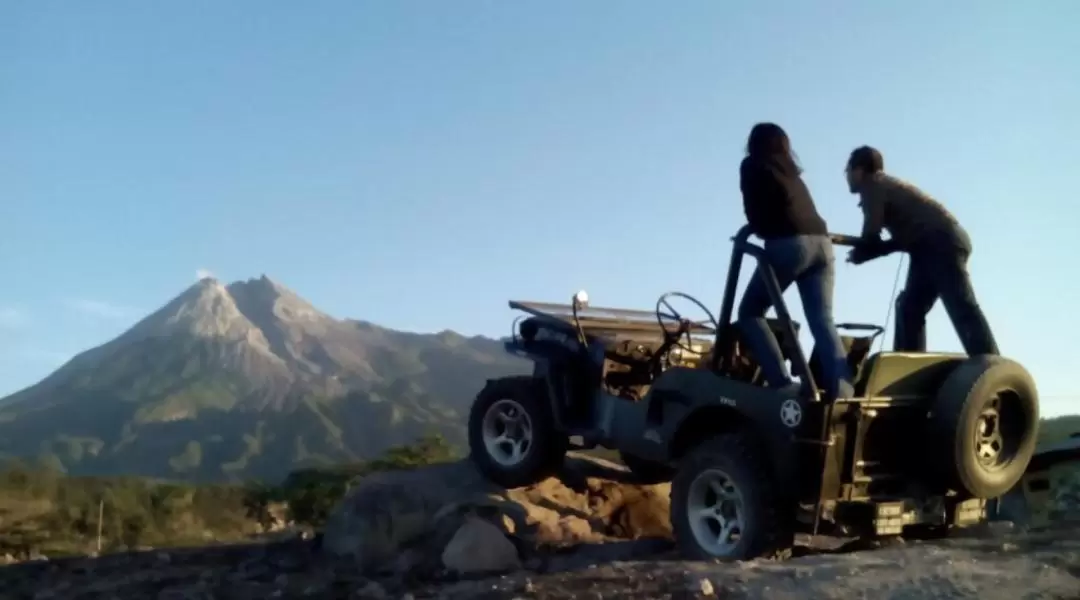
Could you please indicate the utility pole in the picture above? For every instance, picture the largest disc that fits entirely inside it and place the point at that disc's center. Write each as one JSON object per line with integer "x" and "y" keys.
{"x": 100, "y": 519}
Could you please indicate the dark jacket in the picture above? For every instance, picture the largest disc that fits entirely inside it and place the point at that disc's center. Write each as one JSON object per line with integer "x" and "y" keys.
{"x": 777, "y": 201}
{"x": 912, "y": 217}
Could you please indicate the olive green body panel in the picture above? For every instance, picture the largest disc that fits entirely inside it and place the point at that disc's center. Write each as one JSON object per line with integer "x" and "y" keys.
{"x": 905, "y": 375}
{"x": 867, "y": 438}
{"x": 696, "y": 398}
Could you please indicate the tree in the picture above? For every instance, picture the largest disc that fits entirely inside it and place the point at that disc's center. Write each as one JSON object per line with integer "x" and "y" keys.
{"x": 311, "y": 494}
{"x": 428, "y": 450}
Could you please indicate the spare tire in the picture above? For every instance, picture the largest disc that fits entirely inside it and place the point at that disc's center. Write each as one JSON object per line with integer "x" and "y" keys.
{"x": 984, "y": 424}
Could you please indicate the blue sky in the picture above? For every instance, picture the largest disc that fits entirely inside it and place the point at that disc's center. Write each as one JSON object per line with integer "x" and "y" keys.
{"x": 419, "y": 163}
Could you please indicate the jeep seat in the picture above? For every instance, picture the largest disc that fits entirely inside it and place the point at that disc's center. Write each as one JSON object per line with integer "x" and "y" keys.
{"x": 855, "y": 348}
{"x": 731, "y": 355}
{"x": 727, "y": 338}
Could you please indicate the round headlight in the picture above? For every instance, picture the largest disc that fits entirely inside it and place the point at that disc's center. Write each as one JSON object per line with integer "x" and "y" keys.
{"x": 528, "y": 329}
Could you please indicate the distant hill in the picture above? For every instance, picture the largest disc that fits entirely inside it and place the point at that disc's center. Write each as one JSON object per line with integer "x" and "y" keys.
{"x": 247, "y": 380}
{"x": 1059, "y": 428}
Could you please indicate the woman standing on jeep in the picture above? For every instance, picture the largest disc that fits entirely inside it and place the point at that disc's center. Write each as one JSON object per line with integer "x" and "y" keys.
{"x": 781, "y": 212}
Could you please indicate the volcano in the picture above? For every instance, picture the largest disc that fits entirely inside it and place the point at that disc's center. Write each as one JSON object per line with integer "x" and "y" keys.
{"x": 246, "y": 380}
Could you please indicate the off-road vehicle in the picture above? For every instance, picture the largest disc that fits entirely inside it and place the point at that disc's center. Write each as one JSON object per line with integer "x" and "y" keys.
{"x": 928, "y": 439}
{"x": 1050, "y": 484}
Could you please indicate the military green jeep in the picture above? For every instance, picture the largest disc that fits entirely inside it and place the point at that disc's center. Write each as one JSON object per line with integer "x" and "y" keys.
{"x": 927, "y": 440}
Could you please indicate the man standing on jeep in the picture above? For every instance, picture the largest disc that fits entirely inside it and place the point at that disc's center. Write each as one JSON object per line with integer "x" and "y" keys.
{"x": 938, "y": 248}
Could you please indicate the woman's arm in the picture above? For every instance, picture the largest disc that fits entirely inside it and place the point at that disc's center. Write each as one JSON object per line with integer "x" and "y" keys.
{"x": 759, "y": 191}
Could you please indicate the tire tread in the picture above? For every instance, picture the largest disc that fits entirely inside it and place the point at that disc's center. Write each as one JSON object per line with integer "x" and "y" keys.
{"x": 549, "y": 445}
{"x": 739, "y": 453}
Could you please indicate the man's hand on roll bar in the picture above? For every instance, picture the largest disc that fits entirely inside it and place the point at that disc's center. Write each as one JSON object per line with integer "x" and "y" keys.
{"x": 867, "y": 250}
{"x": 862, "y": 250}
{"x": 841, "y": 239}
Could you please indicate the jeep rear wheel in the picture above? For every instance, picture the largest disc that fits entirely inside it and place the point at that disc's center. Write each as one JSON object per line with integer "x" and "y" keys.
{"x": 986, "y": 420}
{"x": 724, "y": 503}
{"x": 512, "y": 436}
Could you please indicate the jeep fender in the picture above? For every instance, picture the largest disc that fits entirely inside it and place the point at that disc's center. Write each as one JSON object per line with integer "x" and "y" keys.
{"x": 691, "y": 405}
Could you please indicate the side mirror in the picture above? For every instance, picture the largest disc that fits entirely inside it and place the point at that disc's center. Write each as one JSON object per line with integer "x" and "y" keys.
{"x": 581, "y": 299}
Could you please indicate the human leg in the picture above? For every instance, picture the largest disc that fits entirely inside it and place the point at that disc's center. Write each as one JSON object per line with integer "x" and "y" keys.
{"x": 913, "y": 304}
{"x": 760, "y": 339}
{"x": 783, "y": 258}
{"x": 816, "y": 286}
{"x": 953, "y": 282}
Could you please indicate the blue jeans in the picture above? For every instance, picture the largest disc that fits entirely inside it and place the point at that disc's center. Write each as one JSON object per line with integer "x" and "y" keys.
{"x": 808, "y": 262}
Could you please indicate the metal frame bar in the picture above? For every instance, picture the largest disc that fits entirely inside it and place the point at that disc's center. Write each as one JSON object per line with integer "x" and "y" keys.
{"x": 742, "y": 246}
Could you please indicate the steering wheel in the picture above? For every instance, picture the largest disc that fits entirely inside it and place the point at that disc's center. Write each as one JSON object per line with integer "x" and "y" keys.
{"x": 684, "y": 325}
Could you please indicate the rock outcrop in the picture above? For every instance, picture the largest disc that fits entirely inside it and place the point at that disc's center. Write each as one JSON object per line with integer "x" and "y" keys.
{"x": 401, "y": 520}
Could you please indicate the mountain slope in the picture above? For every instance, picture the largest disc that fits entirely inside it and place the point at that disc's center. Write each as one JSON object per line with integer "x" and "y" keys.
{"x": 246, "y": 380}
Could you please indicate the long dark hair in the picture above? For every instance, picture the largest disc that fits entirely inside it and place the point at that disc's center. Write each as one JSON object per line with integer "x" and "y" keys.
{"x": 770, "y": 141}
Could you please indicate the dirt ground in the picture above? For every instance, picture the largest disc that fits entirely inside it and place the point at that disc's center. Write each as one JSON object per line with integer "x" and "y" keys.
{"x": 995, "y": 562}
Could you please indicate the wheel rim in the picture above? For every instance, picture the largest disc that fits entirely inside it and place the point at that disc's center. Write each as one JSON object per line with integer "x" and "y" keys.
{"x": 507, "y": 432}
{"x": 716, "y": 513}
{"x": 998, "y": 430}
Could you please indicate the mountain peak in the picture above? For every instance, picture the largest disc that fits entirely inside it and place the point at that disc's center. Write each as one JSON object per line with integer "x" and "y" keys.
{"x": 205, "y": 309}
{"x": 264, "y": 299}
{"x": 261, "y": 285}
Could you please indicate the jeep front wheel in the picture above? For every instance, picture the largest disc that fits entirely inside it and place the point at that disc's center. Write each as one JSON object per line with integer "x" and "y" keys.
{"x": 512, "y": 436}
{"x": 724, "y": 503}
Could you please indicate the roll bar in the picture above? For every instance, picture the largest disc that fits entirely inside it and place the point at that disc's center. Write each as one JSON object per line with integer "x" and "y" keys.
{"x": 742, "y": 245}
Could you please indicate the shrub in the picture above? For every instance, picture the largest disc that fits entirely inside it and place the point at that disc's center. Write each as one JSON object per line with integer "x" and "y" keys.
{"x": 43, "y": 511}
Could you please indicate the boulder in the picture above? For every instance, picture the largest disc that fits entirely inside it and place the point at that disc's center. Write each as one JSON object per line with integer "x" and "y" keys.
{"x": 386, "y": 517}
{"x": 480, "y": 547}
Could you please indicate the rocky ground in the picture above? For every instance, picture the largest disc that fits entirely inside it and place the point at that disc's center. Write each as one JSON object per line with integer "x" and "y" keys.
{"x": 441, "y": 532}
{"x": 995, "y": 562}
